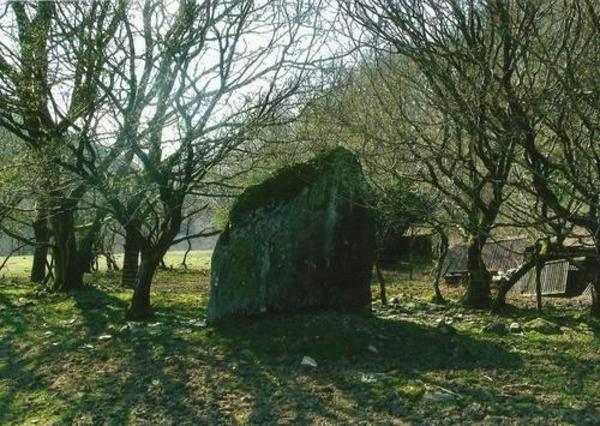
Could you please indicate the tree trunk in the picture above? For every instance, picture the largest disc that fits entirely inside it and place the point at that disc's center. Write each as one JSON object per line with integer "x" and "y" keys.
{"x": 68, "y": 273}
{"x": 382, "y": 292}
{"x": 87, "y": 246}
{"x": 595, "y": 312}
{"x": 539, "y": 264}
{"x": 49, "y": 268}
{"x": 411, "y": 257}
{"x": 141, "y": 308}
{"x": 111, "y": 264}
{"x": 130, "y": 260}
{"x": 162, "y": 265}
{"x": 441, "y": 257}
{"x": 185, "y": 255}
{"x": 42, "y": 239}
{"x": 508, "y": 283}
{"x": 86, "y": 259}
{"x": 478, "y": 280}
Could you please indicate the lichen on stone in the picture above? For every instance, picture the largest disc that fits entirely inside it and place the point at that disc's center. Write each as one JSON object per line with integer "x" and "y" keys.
{"x": 301, "y": 240}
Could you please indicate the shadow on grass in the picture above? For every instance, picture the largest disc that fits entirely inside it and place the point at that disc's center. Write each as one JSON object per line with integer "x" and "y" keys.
{"x": 565, "y": 317}
{"x": 12, "y": 372}
{"x": 362, "y": 361}
{"x": 171, "y": 371}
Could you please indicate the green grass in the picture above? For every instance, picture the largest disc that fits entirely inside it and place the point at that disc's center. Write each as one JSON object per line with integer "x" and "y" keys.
{"x": 55, "y": 368}
{"x": 19, "y": 266}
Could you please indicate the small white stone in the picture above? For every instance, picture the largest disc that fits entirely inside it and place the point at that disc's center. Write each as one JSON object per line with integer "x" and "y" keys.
{"x": 308, "y": 361}
{"x": 515, "y": 327}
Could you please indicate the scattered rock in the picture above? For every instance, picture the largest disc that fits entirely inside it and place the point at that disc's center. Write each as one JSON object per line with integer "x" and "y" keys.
{"x": 433, "y": 307}
{"x": 22, "y": 302}
{"x": 497, "y": 420}
{"x": 585, "y": 328}
{"x": 368, "y": 378}
{"x": 438, "y": 396}
{"x": 409, "y": 306}
{"x": 542, "y": 325}
{"x": 199, "y": 323}
{"x": 308, "y": 362}
{"x": 515, "y": 327}
{"x": 474, "y": 411}
{"x": 495, "y": 328}
{"x": 445, "y": 326}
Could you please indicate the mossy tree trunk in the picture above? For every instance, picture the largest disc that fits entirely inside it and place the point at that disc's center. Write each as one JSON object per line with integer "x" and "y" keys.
{"x": 381, "y": 279}
{"x": 442, "y": 252}
{"x": 541, "y": 250}
{"x": 42, "y": 240}
{"x": 130, "y": 258}
{"x": 508, "y": 283}
{"x": 68, "y": 275}
{"x": 71, "y": 260}
{"x": 539, "y": 264}
{"x": 152, "y": 253}
{"x": 478, "y": 280}
{"x": 595, "y": 310}
{"x": 141, "y": 307}
{"x": 87, "y": 245}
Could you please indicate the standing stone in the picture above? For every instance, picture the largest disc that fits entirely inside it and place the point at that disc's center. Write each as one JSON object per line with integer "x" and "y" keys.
{"x": 303, "y": 240}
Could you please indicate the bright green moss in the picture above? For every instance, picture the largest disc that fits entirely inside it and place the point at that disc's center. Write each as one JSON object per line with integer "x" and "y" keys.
{"x": 288, "y": 182}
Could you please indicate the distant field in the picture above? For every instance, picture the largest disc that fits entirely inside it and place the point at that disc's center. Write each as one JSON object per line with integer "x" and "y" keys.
{"x": 19, "y": 266}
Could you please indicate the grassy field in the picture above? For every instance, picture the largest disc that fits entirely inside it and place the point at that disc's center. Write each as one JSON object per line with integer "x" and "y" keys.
{"x": 19, "y": 266}
{"x": 71, "y": 359}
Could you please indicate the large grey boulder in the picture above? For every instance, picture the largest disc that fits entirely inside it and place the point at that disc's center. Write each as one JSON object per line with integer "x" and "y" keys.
{"x": 303, "y": 240}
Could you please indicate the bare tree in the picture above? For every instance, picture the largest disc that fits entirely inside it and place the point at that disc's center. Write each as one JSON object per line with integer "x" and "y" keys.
{"x": 565, "y": 164}
{"x": 50, "y": 62}
{"x": 449, "y": 73}
{"x": 190, "y": 84}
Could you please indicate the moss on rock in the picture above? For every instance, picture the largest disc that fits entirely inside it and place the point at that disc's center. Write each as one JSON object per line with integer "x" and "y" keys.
{"x": 288, "y": 182}
{"x": 301, "y": 240}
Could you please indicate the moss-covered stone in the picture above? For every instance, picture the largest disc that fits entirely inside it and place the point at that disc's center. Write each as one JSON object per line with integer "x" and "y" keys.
{"x": 302, "y": 240}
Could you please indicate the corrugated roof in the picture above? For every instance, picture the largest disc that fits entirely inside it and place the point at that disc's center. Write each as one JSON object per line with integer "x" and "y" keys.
{"x": 499, "y": 255}
{"x": 553, "y": 278}
{"x": 588, "y": 291}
